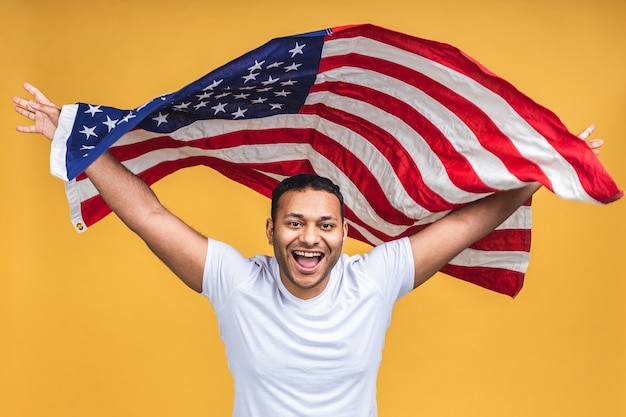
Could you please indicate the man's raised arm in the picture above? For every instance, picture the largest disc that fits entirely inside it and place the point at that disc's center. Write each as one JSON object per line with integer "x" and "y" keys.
{"x": 439, "y": 243}
{"x": 180, "y": 247}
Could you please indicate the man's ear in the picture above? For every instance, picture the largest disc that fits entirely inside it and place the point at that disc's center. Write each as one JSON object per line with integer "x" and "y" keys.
{"x": 269, "y": 231}
{"x": 345, "y": 231}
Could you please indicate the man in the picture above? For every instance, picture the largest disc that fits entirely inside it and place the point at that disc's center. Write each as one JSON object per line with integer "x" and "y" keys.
{"x": 303, "y": 330}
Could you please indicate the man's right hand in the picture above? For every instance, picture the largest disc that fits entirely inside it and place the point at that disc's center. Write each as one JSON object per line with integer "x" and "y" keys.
{"x": 41, "y": 110}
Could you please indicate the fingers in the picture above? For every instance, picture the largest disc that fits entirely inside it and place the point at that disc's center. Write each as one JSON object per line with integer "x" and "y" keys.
{"x": 27, "y": 129}
{"x": 587, "y": 132}
{"x": 25, "y": 112}
{"x": 594, "y": 144}
{"x": 38, "y": 95}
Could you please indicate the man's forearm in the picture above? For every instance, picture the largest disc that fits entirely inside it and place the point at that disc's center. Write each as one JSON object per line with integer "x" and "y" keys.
{"x": 127, "y": 195}
{"x": 436, "y": 245}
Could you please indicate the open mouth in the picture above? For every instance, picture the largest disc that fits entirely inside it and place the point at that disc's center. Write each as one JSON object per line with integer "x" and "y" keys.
{"x": 307, "y": 260}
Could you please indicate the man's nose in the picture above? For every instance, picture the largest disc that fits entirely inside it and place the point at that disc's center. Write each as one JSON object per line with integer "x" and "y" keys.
{"x": 309, "y": 235}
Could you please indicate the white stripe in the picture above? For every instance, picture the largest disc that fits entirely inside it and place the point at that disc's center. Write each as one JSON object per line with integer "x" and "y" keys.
{"x": 58, "y": 149}
{"x": 527, "y": 140}
{"x": 511, "y": 260}
{"x": 73, "y": 191}
{"x": 489, "y": 168}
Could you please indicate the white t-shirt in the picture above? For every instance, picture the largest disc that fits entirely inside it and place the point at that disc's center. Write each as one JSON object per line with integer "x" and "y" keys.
{"x": 294, "y": 357}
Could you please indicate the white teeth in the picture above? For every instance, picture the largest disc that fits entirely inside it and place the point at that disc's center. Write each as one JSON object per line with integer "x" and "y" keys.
{"x": 308, "y": 254}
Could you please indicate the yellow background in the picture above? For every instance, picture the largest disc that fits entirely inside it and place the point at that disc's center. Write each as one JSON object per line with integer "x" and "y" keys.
{"x": 93, "y": 325}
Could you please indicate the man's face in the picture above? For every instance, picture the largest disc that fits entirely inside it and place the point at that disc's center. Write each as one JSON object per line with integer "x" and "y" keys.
{"x": 308, "y": 235}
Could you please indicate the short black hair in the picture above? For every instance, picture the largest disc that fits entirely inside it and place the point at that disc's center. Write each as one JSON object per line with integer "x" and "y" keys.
{"x": 301, "y": 182}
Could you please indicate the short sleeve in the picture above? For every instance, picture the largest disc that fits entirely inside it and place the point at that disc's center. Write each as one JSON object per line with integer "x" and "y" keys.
{"x": 390, "y": 265}
{"x": 224, "y": 269}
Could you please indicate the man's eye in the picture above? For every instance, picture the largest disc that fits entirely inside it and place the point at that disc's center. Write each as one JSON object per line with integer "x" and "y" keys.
{"x": 294, "y": 224}
{"x": 326, "y": 226}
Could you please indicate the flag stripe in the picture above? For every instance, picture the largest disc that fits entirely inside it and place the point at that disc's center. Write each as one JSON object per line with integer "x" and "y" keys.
{"x": 443, "y": 107}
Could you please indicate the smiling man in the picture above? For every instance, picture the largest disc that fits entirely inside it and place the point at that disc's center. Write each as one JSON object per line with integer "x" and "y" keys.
{"x": 304, "y": 329}
{"x": 307, "y": 231}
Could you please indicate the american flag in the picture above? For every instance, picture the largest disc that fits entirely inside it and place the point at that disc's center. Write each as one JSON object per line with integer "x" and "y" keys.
{"x": 408, "y": 128}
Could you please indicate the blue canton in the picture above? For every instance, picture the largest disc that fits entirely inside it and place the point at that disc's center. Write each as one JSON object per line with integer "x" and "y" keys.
{"x": 270, "y": 80}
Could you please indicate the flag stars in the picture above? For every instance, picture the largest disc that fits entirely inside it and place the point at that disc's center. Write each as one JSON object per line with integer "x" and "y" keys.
{"x": 224, "y": 94}
{"x": 128, "y": 117}
{"x": 239, "y": 113}
{"x": 204, "y": 95}
{"x": 257, "y": 66}
{"x": 93, "y": 110}
{"x": 241, "y": 96}
{"x": 281, "y": 93}
{"x": 274, "y": 65}
{"x": 288, "y": 83}
{"x": 110, "y": 123}
{"x": 214, "y": 84}
{"x": 259, "y": 100}
{"x": 161, "y": 118}
{"x": 89, "y": 131}
{"x": 292, "y": 67}
{"x": 276, "y": 106}
{"x": 182, "y": 106}
{"x": 250, "y": 77}
{"x": 200, "y": 105}
{"x": 269, "y": 81}
{"x": 297, "y": 49}
{"x": 220, "y": 107}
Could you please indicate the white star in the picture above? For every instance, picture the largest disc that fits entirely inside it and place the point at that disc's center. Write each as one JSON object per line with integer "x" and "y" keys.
{"x": 89, "y": 131}
{"x": 270, "y": 80}
{"x": 250, "y": 77}
{"x": 292, "y": 67}
{"x": 93, "y": 110}
{"x": 182, "y": 106}
{"x": 199, "y": 105}
{"x": 249, "y": 87}
{"x": 127, "y": 117}
{"x": 282, "y": 93}
{"x": 297, "y": 49}
{"x": 259, "y": 100}
{"x": 274, "y": 65}
{"x": 275, "y": 106}
{"x": 110, "y": 123}
{"x": 239, "y": 113}
{"x": 161, "y": 118}
{"x": 204, "y": 95}
{"x": 212, "y": 86}
{"x": 257, "y": 65}
{"x": 242, "y": 96}
{"x": 263, "y": 90}
{"x": 224, "y": 94}
{"x": 219, "y": 108}
{"x": 287, "y": 83}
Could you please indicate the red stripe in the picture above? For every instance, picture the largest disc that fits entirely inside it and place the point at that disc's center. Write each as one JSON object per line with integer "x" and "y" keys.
{"x": 496, "y": 279}
{"x": 485, "y": 130}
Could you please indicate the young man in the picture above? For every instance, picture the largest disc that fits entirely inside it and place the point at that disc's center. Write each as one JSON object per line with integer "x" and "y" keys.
{"x": 303, "y": 330}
